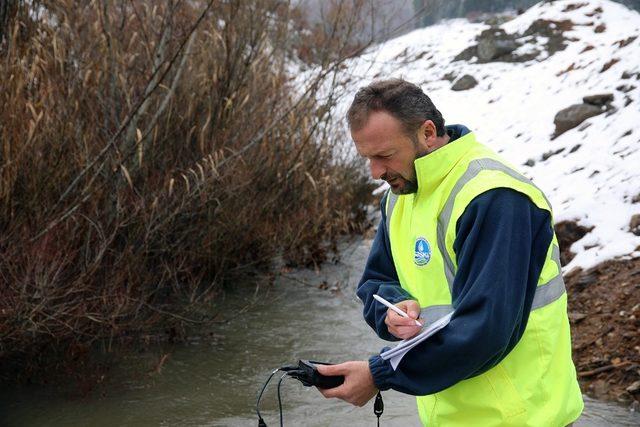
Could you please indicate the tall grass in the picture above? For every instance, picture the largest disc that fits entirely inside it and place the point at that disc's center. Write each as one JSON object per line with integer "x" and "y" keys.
{"x": 152, "y": 151}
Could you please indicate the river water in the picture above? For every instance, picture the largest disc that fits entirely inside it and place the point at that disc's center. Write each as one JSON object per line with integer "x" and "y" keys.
{"x": 213, "y": 379}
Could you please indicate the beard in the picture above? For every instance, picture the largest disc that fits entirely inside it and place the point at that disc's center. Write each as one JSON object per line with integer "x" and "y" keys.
{"x": 399, "y": 184}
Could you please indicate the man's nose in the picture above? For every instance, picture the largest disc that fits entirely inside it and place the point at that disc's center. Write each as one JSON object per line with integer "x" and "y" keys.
{"x": 377, "y": 169}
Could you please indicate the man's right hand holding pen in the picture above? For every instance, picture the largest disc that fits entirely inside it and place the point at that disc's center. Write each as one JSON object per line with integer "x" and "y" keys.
{"x": 404, "y": 327}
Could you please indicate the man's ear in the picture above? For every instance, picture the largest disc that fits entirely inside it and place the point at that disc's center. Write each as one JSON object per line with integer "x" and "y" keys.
{"x": 430, "y": 134}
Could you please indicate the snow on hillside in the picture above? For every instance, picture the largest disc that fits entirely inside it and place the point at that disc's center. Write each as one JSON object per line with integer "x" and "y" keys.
{"x": 595, "y": 177}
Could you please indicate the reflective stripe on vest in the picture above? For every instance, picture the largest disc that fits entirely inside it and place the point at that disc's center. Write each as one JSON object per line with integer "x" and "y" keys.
{"x": 545, "y": 293}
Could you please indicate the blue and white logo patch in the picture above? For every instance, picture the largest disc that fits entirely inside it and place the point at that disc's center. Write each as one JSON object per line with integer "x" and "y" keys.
{"x": 422, "y": 253}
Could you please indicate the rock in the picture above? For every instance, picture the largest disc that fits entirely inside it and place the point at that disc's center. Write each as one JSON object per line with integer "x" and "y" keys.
{"x": 634, "y": 388}
{"x": 572, "y": 116}
{"x": 627, "y": 101}
{"x": 573, "y": 6}
{"x": 569, "y": 232}
{"x": 599, "y": 99}
{"x": 609, "y": 64}
{"x": 551, "y": 153}
{"x": 491, "y": 49}
{"x": 548, "y": 28}
{"x": 587, "y": 48}
{"x": 600, "y": 28}
{"x": 496, "y": 20}
{"x": 467, "y": 54}
{"x": 625, "y": 42}
{"x": 575, "y": 148}
{"x": 596, "y": 11}
{"x": 491, "y": 33}
{"x": 625, "y": 88}
{"x": 450, "y": 76}
{"x": 553, "y": 30}
{"x": 530, "y": 162}
{"x": 586, "y": 279}
{"x": 464, "y": 83}
{"x": 634, "y": 224}
{"x": 599, "y": 388}
{"x": 575, "y": 317}
{"x": 494, "y": 43}
{"x": 628, "y": 74}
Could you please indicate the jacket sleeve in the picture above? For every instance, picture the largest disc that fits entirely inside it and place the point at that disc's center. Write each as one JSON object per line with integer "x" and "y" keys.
{"x": 501, "y": 245}
{"x": 380, "y": 277}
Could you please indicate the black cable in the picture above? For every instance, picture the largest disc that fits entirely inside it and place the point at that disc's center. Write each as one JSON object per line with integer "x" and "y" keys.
{"x": 286, "y": 370}
{"x": 261, "y": 422}
{"x": 279, "y": 399}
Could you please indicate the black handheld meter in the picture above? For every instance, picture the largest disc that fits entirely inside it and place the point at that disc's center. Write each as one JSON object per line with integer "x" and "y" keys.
{"x": 307, "y": 373}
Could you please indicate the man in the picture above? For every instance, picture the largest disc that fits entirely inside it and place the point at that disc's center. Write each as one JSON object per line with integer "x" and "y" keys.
{"x": 462, "y": 232}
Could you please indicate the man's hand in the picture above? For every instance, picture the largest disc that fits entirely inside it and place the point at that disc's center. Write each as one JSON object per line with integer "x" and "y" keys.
{"x": 358, "y": 387}
{"x": 403, "y": 327}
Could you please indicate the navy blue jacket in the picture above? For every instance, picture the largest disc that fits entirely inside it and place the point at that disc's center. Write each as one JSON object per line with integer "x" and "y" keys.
{"x": 501, "y": 245}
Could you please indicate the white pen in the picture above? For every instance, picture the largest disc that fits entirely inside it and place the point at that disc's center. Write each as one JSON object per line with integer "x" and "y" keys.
{"x": 394, "y": 308}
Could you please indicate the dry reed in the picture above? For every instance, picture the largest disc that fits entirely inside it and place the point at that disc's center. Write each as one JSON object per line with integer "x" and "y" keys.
{"x": 153, "y": 151}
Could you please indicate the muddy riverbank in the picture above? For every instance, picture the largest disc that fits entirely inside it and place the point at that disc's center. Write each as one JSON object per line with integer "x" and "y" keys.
{"x": 604, "y": 309}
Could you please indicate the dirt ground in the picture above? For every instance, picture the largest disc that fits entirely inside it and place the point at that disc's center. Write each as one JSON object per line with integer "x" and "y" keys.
{"x": 604, "y": 311}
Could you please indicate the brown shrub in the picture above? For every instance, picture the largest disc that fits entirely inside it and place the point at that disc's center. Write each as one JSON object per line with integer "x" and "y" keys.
{"x": 152, "y": 151}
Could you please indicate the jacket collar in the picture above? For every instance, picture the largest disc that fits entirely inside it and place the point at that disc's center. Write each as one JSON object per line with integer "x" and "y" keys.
{"x": 432, "y": 168}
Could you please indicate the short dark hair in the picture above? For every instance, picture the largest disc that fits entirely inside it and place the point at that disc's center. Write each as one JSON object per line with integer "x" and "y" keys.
{"x": 403, "y": 100}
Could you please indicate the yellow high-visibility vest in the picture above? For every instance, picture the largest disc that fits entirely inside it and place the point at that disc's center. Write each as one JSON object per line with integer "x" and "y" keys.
{"x": 535, "y": 384}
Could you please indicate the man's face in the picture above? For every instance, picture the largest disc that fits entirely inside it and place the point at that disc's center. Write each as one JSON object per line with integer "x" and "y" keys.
{"x": 390, "y": 151}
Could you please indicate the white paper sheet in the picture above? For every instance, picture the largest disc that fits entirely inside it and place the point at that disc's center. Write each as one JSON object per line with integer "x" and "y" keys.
{"x": 395, "y": 354}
